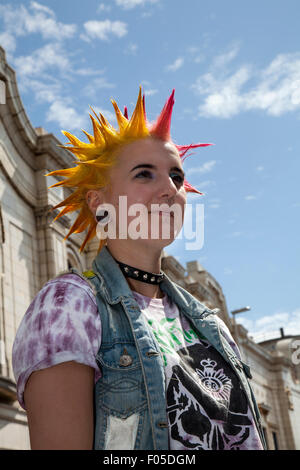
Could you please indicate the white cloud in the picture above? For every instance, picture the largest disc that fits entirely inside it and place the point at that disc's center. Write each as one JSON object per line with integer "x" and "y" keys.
{"x": 86, "y": 72}
{"x": 268, "y": 326}
{"x": 235, "y": 234}
{"x": 65, "y": 115}
{"x": 274, "y": 90}
{"x": 45, "y": 92}
{"x": 203, "y": 184}
{"x": 259, "y": 168}
{"x": 227, "y": 271}
{"x": 175, "y": 65}
{"x": 38, "y": 7}
{"x": 199, "y": 59}
{"x": 150, "y": 92}
{"x": 131, "y": 49}
{"x": 146, "y": 14}
{"x": 8, "y": 42}
{"x": 214, "y": 203}
{"x": 205, "y": 168}
{"x": 223, "y": 95}
{"x": 47, "y": 57}
{"x": 47, "y": 70}
{"x": 193, "y": 50}
{"x": 224, "y": 59}
{"x": 96, "y": 84}
{"x": 196, "y": 54}
{"x": 20, "y": 21}
{"x": 103, "y": 7}
{"x": 101, "y": 83}
{"x": 129, "y": 4}
{"x": 103, "y": 29}
{"x": 250, "y": 197}
{"x": 148, "y": 89}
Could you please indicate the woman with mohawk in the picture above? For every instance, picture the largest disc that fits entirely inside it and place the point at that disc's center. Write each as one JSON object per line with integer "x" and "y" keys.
{"x": 121, "y": 357}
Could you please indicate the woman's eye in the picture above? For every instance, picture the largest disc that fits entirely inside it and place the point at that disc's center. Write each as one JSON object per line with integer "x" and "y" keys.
{"x": 148, "y": 174}
{"x": 144, "y": 174}
{"x": 178, "y": 178}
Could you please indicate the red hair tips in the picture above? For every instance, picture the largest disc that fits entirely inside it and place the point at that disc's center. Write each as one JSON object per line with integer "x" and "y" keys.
{"x": 162, "y": 126}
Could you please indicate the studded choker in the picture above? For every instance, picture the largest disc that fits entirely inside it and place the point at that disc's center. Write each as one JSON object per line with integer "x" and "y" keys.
{"x": 139, "y": 275}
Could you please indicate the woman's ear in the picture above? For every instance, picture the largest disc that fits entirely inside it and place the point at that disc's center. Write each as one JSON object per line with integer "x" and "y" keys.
{"x": 93, "y": 198}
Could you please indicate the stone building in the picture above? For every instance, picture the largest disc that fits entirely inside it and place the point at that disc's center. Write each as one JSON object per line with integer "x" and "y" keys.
{"x": 32, "y": 251}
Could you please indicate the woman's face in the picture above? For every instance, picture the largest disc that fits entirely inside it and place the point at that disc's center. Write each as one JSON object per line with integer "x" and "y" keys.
{"x": 149, "y": 171}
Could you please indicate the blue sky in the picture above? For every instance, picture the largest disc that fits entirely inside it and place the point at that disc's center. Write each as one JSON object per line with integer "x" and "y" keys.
{"x": 235, "y": 67}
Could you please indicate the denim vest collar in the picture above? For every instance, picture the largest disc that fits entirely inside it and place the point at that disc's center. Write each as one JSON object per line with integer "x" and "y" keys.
{"x": 111, "y": 275}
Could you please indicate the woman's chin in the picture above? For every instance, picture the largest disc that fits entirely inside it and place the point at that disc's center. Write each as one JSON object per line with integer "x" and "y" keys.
{"x": 155, "y": 242}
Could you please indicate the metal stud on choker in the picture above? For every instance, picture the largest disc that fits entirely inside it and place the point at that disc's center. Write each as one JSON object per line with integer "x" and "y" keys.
{"x": 140, "y": 275}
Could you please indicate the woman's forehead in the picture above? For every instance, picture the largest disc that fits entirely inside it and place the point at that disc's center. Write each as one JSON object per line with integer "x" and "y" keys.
{"x": 149, "y": 151}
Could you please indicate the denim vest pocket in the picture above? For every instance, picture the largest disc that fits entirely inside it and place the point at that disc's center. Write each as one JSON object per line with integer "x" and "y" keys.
{"x": 120, "y": 398}
{"x": 121, "y": 390}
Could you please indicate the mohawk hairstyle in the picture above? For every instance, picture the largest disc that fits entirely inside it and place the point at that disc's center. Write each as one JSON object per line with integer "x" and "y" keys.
{"x": 96, "y": 158}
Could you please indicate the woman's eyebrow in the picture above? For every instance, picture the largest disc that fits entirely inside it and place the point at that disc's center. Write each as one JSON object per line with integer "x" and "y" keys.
{"x": 153, "y": 167}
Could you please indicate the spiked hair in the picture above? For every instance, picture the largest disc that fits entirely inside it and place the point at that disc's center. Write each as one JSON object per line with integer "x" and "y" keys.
{"x": 96, "y": 158}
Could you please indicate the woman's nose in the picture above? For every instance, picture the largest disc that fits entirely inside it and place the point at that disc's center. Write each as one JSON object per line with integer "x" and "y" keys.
{"x": 168, "y": 187}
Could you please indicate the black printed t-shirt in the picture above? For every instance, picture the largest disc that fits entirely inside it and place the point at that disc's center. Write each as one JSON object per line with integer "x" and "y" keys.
{"x": 206, "y": 406}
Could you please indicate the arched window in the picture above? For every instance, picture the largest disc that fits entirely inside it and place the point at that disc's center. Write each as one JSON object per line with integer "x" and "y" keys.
{"x": 73, "y": 259}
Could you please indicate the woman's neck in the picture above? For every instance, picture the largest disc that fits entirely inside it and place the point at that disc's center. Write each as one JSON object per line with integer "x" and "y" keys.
{"x": 146, "y": 260}
{"x": 154, "y": 292}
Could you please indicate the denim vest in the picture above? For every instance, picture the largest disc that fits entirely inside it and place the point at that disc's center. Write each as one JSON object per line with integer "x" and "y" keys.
{"x": 130, "y": 397}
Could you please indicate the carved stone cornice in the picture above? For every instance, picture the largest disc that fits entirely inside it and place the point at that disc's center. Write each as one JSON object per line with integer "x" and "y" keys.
{"x": 14, "y": 104}
{"x": 199, "y": 290}
{"x": 264, "y": 408}
{"x": 14, "y": 176}
{"x": 44, "y": 217}
{"x": 170, "y": 263}
{"x": 49, "y": 145}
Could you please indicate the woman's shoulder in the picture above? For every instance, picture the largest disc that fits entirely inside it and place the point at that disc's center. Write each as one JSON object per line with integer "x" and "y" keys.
{"x": 61, "y": 324}
{"x": 64, "y": 295}
{"x": 68, "y": 283}
{"x": 63, "y": 299}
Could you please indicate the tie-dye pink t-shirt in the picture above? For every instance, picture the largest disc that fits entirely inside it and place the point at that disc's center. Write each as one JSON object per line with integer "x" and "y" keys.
{"x": 61, "y": 324}
{"x": 205, "y": 405}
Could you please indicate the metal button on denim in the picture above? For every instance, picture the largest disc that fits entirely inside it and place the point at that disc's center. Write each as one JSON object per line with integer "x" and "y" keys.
{"x": 125, "y": 359}
{"x": 163, "y": 425}
{"x": 152, "y": 353}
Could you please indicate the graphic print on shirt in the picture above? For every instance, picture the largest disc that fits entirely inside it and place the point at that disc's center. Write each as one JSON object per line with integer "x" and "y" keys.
{"x": 205, "y": 404}
{"x": 206, "y": 407}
